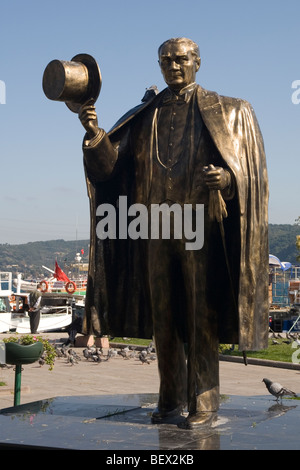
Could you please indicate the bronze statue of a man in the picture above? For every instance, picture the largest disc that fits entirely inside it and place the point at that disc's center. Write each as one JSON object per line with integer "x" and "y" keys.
{"x": 182, "y": 145}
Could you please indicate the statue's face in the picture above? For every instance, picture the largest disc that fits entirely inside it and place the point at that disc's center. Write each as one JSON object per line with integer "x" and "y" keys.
{"x": 178, "y": 64}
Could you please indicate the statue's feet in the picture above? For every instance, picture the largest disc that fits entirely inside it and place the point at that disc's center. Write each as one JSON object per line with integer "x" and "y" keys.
{"x": 163, "y": 416}
{"x": 199, "y": 419}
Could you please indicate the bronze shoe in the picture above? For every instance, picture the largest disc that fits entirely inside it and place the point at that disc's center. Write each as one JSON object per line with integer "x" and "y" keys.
{"x": 163, "y": 416}
{"x": 199, "y": 419}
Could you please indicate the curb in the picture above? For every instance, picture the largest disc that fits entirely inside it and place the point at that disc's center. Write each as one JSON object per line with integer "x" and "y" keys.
{"x": 261, "y": 362}
{"x": 223, "y": 357}
{"x": 124, "y": 345}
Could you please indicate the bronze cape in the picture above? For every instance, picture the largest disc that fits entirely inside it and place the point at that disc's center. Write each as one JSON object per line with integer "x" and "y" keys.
{"x": 117, "y": 301}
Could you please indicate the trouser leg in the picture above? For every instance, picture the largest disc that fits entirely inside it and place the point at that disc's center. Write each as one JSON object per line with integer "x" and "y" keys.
{"x": 203, "y": 369}
{"x": 34, "y": 320}
{"x": 167, "y": 326}
{"x": 203, "y": 337}
{"x": 180, "y": 293}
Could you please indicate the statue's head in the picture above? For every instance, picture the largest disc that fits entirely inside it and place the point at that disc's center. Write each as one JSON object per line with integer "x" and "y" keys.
{"x": 179, "y": 60}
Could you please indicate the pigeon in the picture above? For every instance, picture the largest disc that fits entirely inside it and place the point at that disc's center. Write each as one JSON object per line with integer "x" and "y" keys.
{"x": 72, "y": 360}
{"x": 58, "y": 352}
{"x": 41, "y": 361}
{"x": 150, "y": 93}
{"x": 72, "y": 357}
{"x": 112, "y": 352}
{"x": 96, "y": 358}
{"x": 93, "y": 353}
{"x": 294, "y": 336}
{"x": 73, "y": 353}
{"x": 133, "y": 352}
{"x": 124, "y": 352}
{"x": 278, "y": 390}
{"x": 153, "y": 357}
{"x": 63, "y": 351}
{"x": 275, "y": 342}
{"x": 86, "y": 353}
{"x": 143, "y": 358}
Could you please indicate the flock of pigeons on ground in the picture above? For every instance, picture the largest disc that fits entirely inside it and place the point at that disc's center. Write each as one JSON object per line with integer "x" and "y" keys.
{"x": 96, "y": 354}
{"x": 288, "y": 338}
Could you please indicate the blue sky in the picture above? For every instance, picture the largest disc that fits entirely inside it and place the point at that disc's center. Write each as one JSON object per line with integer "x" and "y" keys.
{"x": 249, "y": 50}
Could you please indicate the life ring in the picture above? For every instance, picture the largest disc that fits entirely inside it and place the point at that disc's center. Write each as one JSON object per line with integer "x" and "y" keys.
{"x": 70, "y": 287}
{"x": 44, "y": 286}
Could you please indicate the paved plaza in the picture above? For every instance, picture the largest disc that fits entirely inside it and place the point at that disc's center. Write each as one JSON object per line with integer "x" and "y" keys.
{"x": 108, "y": 405}
{"x": 126, "y": 376}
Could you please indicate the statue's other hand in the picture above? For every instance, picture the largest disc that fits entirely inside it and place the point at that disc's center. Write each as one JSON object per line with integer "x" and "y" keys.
{"x": 217, "y": 177}
{"x": 88, "y": 118}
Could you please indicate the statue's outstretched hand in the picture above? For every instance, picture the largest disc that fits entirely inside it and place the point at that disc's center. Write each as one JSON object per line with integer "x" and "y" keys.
{"x": 88, "y": 117}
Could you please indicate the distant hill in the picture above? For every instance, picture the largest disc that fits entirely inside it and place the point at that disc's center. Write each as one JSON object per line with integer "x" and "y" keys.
{"x": 282, "y": 242}
{"x": 28, "y": 258}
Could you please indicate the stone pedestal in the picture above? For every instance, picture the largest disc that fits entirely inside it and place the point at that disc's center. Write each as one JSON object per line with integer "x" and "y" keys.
{"x": 102, "y": 342}
{"x": 121, "y": 422}
{"x": 83, "y": 341}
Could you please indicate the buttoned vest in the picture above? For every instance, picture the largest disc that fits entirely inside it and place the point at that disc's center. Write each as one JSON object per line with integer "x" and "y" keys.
{"x": 181, "y": 148}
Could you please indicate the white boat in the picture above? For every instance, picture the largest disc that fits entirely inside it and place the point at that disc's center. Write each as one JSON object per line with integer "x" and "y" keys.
{"x": 26, "y": 285}
{"x": 56, "y": 313}
{"x": 52, "y": 285}
{"x": 58, "y": 281}
{"x": 56, "y": 309}
{"x": 5, "y": 308}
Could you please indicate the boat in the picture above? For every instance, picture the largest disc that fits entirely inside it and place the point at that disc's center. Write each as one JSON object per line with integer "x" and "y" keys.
{"x": 5, "y": 308}
{"x": 56, "y": 308}
{"x": 58, "y": 281}
{"x": 74, "y": 286}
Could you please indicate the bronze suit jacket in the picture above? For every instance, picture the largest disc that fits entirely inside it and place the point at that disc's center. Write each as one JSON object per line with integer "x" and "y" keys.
{"x": 117, "y": 299}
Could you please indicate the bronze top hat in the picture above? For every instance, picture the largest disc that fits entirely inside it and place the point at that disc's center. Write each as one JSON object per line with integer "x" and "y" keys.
{"x": 75, "y": 82}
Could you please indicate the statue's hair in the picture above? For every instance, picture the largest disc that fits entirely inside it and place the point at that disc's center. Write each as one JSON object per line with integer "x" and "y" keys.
{"x": 192, "y": 44}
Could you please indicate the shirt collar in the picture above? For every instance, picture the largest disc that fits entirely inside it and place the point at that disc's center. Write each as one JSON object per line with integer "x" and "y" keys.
{"x": 184, "y": 94}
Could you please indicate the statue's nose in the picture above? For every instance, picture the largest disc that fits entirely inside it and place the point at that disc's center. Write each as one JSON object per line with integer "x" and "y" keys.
{"x": 174, "y": 65}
